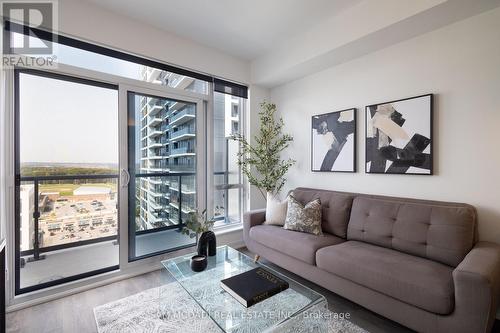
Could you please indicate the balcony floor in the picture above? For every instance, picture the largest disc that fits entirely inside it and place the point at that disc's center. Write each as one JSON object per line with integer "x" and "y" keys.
{"x": 156, "y": 241}
{"x": 82, "y": 259}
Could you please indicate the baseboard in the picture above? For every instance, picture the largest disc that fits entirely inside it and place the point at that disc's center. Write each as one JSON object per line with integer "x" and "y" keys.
{"x": 112, "y": 279}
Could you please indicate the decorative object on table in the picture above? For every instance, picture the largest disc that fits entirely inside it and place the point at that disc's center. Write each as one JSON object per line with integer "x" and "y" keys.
{"x": 198, "y": 263}
{"x": 333, "y": 141}
{"x": 261, "y": 162}
{"x": 399, "y": 136}
{"x": 199, "y": 224}
{"x": 303, "y": 218}
{"x": 275, "y": 210}
{"x": 253, "y": 286}
{"x": 207, "y": 244}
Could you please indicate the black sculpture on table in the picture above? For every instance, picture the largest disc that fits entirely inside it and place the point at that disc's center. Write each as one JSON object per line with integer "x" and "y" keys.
{"x": 207, "y": 244}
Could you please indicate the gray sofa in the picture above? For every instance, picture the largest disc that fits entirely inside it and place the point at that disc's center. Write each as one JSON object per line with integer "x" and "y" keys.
{"x": 416, "y": 262}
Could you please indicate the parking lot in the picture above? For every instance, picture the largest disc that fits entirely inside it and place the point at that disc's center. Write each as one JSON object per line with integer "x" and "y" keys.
{"x": 71, "y": 219}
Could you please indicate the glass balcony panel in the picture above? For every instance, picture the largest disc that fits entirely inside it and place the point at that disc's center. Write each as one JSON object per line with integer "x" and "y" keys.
{"x": 183, "y": 116}
{"x": 184, "y": 133}
{"x": 76, "y": 216}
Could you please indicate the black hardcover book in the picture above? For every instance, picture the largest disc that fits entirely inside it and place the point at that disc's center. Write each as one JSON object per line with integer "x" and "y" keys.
{"x": 253, "y": 286}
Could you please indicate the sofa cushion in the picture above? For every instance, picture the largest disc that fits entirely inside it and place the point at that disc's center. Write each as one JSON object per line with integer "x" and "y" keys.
{"x": 417, "y": 281}
{"x": 296, "y": 244}
{"x": 303, "y": 218}
{"x": 335, "y": 208}
{"x": 439, "y": 231}
{"x": 275, "y": 210}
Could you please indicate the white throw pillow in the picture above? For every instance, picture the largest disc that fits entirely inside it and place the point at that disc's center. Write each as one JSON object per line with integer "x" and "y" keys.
{"x": 275, "y": 210}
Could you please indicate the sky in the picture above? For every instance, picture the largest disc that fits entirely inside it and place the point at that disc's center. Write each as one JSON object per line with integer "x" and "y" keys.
{"x": 66, "y": 122}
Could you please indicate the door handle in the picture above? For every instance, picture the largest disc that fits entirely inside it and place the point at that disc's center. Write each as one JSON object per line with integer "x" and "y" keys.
{"x": 125, "y": 177}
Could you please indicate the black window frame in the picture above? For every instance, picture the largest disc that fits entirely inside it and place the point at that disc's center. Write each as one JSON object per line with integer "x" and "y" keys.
{"x": 220, "y": 85}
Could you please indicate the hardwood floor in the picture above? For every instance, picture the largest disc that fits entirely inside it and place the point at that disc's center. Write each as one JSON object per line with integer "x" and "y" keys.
{"x": 74, "y": 314}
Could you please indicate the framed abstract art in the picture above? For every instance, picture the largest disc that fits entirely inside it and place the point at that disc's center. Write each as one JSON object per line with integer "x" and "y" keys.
{"x": 333, "y": 141}
{"x": 398, "y": 136}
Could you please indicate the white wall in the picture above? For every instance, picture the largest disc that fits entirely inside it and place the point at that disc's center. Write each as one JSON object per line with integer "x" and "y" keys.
{"x": 460, "y": 64}
{"x": 94, "y": 23}
{"x": 257, "y": 95}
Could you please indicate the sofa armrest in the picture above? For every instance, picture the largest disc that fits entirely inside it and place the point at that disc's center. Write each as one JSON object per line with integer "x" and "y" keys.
{"x": 477, "y": 284}
{"x": 251, "y": 219}
{"x": 481, "y": 263}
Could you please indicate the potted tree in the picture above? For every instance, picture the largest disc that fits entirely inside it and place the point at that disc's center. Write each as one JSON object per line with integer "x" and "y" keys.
{"x": 261, "y": 162}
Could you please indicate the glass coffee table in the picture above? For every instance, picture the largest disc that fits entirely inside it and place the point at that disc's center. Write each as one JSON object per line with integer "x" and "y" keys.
{"x": 297, "y": 309}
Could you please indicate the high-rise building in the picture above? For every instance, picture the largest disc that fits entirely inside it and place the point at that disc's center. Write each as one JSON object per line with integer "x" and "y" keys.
{"x": 27, "y": 201}
{"x": 167, "y": 144}
{"x": 227, "y": 115}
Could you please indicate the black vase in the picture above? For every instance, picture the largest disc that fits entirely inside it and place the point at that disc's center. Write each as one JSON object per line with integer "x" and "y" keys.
{"x": 207, "y": 244}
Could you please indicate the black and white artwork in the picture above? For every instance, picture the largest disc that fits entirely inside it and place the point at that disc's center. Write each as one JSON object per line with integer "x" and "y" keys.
{"x": 399, "y": 136}
{"x": 334, "y": 141}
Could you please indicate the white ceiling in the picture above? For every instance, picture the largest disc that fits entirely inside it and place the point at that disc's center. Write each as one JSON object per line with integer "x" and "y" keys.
{"x": 243, "y": 28}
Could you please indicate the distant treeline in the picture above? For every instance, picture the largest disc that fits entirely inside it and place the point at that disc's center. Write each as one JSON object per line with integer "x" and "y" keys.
{"x": 34, "y": 171}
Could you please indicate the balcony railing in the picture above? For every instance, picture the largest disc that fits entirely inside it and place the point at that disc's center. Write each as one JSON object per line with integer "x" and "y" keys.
{"x": 156, "y": 108}
{"x": 67, "y": 214}
{"x": 166, "y": 178}
{"x": 154, "y": 121}
{"x": 186, "y": 131}
{"x": 154, "y": 133}
{"x": 183, "y": 116}
{"x": 175, "y": 168}
{"x": 182, "y": 150}
{"x": 64, "y": 219}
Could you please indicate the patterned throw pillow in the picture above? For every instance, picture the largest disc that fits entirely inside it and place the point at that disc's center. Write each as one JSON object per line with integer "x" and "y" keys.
{"x": 303, "y": 218}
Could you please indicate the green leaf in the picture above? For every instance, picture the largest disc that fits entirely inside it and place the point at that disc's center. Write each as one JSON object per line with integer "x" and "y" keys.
{"x": 261, "y": 163}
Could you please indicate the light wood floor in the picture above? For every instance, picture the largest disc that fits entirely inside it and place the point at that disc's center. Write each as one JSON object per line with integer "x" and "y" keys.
{"x": 74, "y": 314}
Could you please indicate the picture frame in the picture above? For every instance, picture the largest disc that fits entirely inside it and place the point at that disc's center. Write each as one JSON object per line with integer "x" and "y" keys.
{"x": 334, "y": 141}
{"x": 399, "y": 136}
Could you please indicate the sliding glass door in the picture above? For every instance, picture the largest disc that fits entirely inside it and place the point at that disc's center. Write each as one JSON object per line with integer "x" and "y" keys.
{"x": 108, "y": 170}
{"x": 66, "y": 179}
{"x": 112, "y": 152}
{"x": 162, "y": 167}
{"x": 95, "y": 160}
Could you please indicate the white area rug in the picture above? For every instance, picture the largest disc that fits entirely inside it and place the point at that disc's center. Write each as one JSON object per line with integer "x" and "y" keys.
{"x": 177, "y": 312}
